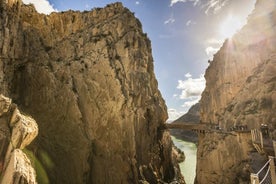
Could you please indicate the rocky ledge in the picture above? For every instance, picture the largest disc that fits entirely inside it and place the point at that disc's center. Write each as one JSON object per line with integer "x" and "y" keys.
{"x": 16, "y": 132}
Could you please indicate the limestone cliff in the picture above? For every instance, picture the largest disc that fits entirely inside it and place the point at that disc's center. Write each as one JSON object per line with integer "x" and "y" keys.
{"x": 87, "y": 78}
{"x": 240, "y": 90}
{"x": 16, "y": 132}
{"x": 239, "y": 56}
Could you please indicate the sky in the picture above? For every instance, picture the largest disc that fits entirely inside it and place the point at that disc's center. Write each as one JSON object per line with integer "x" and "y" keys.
{"x": 184, "y": 35}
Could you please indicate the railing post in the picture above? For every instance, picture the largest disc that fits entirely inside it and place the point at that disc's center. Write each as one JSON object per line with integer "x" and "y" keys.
{"x": 253, "y": 136}
{"x": 272, "y": 169}
{"x": 274, "y": 146}
{"x": 254, "y": 179}
{"x": 261, "y": 139}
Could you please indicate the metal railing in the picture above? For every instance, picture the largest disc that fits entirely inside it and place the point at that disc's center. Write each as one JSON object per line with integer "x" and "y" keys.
{"x": 266, "y": 175}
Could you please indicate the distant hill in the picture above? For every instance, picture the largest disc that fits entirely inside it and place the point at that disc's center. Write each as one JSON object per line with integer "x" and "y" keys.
{"x": 192, "y": 116}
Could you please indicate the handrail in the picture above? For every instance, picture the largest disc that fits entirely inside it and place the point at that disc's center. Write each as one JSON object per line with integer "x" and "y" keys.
{"x": 267, "y": 172}
{"x": 263, "y": 167}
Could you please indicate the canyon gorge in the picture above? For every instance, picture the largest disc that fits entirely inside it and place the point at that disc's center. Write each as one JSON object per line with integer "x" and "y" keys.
{"x": 80, "y": 102}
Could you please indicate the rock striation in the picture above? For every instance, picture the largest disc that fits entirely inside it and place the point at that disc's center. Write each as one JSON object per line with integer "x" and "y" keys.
{"x": 88, "y": 80}
{"x": 240, "y": 90}
{"x": 16, "y": 132}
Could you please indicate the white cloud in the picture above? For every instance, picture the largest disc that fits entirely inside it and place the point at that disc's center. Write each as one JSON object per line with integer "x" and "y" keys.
{"x": 176, "y": 1}
{"x": 192, "y": 101}
{"x": 184, "y": 1}
{"x": 137, "y": 2}
{"x": 191, "y": 90}
{"x": 191, "y": 87}
{"x": 174, "y": 114}
{"x": 188, "y": 75}
{"x": 190, "y": 22}
{"x": 214, "y": 41}
{"x": 213, "y": 6}
{"x": 210, "y": 51}
{"x": 169, "y": 21}
{"x": 41, "y": 6}
{"x": 175, "y": 95}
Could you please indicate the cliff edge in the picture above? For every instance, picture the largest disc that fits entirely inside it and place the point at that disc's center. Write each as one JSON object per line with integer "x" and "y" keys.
{"x": 88, "y": 80}
{"x": 240, "y": 92}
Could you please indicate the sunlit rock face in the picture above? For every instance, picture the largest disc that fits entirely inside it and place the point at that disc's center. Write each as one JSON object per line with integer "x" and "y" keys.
{"x": 240, "y": 90}
{"x": 238, "y": 58}
{"x": 16, "y": 132}
{"x": 87, "y": 78}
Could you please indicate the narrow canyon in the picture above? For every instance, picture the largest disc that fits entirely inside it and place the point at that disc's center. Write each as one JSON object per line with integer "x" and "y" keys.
{"x": 80, "y": 101}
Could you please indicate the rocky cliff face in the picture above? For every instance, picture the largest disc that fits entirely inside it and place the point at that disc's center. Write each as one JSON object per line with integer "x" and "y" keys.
{"x": 240, "y": 90}
{"x": 16, "y": 132}
{"x": 237, "y": 60}
{"x": 87, "y": 78}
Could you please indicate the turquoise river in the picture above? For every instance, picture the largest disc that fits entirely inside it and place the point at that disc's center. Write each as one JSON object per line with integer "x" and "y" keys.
{"x": 188, "y": 167}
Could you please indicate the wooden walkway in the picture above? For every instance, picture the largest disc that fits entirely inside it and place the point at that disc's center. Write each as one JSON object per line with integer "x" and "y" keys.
{"x": 206, "y": 128}
{"x": 196, "y": 127}
{"x": 187, "y": 126}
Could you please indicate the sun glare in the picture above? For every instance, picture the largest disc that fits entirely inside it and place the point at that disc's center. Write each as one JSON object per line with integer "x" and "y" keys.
{"x": 230, "y": 26}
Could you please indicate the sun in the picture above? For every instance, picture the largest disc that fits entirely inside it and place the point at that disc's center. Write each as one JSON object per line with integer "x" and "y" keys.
{"x": 230, "y": 26}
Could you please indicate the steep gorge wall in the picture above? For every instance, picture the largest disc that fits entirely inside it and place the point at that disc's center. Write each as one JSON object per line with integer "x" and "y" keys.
{"x": 239, "y": 56}
{"x": 240, "y": 90}
{"x": 87, "y": 78}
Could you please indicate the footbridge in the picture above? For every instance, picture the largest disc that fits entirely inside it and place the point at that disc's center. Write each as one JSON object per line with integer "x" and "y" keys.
{"x": 187, "y": 126}
{"x": 197, "y": 127}
{"x": 206, "y": 127}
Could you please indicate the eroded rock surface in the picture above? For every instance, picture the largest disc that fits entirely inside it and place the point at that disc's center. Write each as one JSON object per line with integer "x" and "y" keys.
{"x": 240, "y": 90}
{"x": 87, "y": 78}
{"x": 16, "y": 132}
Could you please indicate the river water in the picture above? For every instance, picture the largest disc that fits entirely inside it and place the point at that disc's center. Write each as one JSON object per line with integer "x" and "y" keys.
{"x": 188, "y": 167}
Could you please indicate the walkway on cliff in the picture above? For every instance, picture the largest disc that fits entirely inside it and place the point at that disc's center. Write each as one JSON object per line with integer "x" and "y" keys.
{"x": 261, "y": 140}
{"x": 199, "y": 127}
{"x": 187, "y": 126}
{"x": 207, "y": 128}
